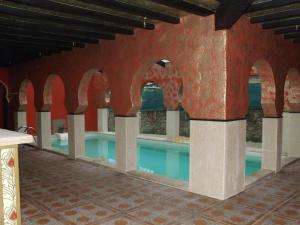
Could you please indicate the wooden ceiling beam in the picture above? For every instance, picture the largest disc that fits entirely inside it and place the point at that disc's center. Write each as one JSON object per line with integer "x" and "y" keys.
{"x": 186, "y": 6}
{"x": 81, "y": 8}
{"x": 135, "y": 9}
{"x": 229, "y": 11}
{"x": 43, "y": 15}
{"x": 37, "y": 25}
{"x": 265, "y": 5}
{"x": 275, "y": 15}
{"x": 45, "y": 36}
{"x": 281, "y": 23}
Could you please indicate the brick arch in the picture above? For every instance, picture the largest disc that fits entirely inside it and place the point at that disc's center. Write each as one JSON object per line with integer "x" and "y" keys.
{"x": 48, "y": 89}
{"x": 292, "y": 91}
{"x": 23, "y": 91}
{"x": 167, "y": 77}
{"x": 268, "y": 88}
{"x": 100, "y": 83}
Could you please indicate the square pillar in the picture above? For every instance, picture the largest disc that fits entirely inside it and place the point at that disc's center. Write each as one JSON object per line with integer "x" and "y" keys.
{"x": 173, "y": 122}
{"x": 76, "y": 135}
{"x": 139, "y": 116}
{"x": 285, "y": 132}
{"x": 291, "y": 134}
{"x": 102, "y": 115}
{"x": 20, "y": 120}
{"x": 217, "y": 158}
{"x": 43, "y": 129}
{"x": 272, "y": 144}
{"x": 126, "y": 143}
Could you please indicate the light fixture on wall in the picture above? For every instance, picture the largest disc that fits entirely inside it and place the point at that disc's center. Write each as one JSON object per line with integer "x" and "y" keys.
{"x": 107, "y": 97}
{"x": 163, "y": 62}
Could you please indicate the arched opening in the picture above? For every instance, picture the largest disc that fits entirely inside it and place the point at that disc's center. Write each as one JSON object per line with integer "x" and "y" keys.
{"x": 153, "y": 110}
{"x": 4, "y": 100}
{"x": 26, "y": 102}
{"x": 54, "y": 101}
{"x": 261, "y": 103}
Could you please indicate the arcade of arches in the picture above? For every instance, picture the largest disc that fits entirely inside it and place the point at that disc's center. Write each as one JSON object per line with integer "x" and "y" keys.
{"x": 206, "y": 73}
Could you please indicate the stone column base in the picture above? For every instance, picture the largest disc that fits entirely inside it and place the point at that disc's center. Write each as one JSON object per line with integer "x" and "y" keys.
{"x": 76, "y": 136}
{"x": 102, "y": 115}
{"x": 20, "y": 119}
{"x": 217, "y": 158}
{"x": 126, "y": 147}
{"x": 272, "y": 144}
{"x": 173, "y": 120}
{"x": 291, "y": 134}
{"x": 44, "y": 129}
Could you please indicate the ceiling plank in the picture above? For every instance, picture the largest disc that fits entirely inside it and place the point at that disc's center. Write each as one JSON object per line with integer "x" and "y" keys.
{"x": 41, "y": 41}
{"x": 91, "y": 11}
{"x": 229, "y": 11}
{"x": 38, "y": 25}
{"x": 292, "y": 35}
{"x": 281, "y": 23}
{"x": 287, "y": 29}
{"x": 186, "y": 6}
{"x": 43, "y": 15}
{"x": 135, "y": 9}
{"x": 258, "y": 6}
{"x": 45, "y": 36}
{"x": 275, "y": 15}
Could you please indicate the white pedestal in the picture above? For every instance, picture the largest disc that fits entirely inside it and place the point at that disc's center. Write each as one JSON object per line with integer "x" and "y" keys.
{"x": 20, "y": 120}
{"x": 217, "y": 158}
{"x": 102, "y": 115}
{"x": 43, "y": 129}
{"x": 291, "y": 134}
{"x": 10, "y": 210}
{"x": 126, "y": 139}
{"x": 272, "y": 144}
{"x": 173, "y": 120}
{"x": 76, "y": 136}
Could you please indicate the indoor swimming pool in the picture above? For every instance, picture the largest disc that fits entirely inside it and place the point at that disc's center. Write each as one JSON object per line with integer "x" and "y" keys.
{"x": 156, "y": 157}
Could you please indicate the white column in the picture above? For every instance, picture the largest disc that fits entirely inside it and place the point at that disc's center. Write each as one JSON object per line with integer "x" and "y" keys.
{"x": 102, "y": 115}
{"x": 139, "y": 116}
{"x": 291, "y": 134}
{"x": 173, "y": 120}
{"x": 272, "y": 144}
{"x": 76, "y": 136}
{"x": 285, "y": 132}
{"x": 217, "y": 158}
{"x": 20, "y": 120}
{"x": 43, "y": 129}
{"x": 126, "y": 147}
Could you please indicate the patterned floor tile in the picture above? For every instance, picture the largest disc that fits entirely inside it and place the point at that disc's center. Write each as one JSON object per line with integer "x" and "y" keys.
{"x": 58, "y": 191}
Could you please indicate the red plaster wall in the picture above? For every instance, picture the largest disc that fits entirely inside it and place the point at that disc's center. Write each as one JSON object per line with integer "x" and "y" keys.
{"x": 198, "y": 54}
{"x": 246, "y": 44}
{"x": 214, "y": 65}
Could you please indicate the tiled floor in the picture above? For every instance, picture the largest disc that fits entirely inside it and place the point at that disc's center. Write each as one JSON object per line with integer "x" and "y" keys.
{"x": 55, "y": 190}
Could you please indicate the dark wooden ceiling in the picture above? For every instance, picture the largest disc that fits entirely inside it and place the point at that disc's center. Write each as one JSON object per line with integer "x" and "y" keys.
{"x": 35, "y": 28}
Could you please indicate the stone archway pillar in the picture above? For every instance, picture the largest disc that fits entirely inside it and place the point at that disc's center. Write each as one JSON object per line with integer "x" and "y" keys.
{"x": 126, "y": 143}
{"x": 217, "y": 158}
{"x": 44, "y": 129}
{"x": 20, "y": 119}
{"x": 291, "y": 134}
{"x": 272, "y": 144}
{"x": 173, "y": 124}
{"x": 76, "y": 135}
{"x": 102, "y": 115}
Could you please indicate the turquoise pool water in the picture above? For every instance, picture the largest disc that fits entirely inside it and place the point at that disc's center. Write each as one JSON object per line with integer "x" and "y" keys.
{"x": 156, "y": 157}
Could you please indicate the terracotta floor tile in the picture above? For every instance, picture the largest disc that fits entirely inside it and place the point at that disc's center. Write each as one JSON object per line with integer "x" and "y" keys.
{"x": 59, "y": 191}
